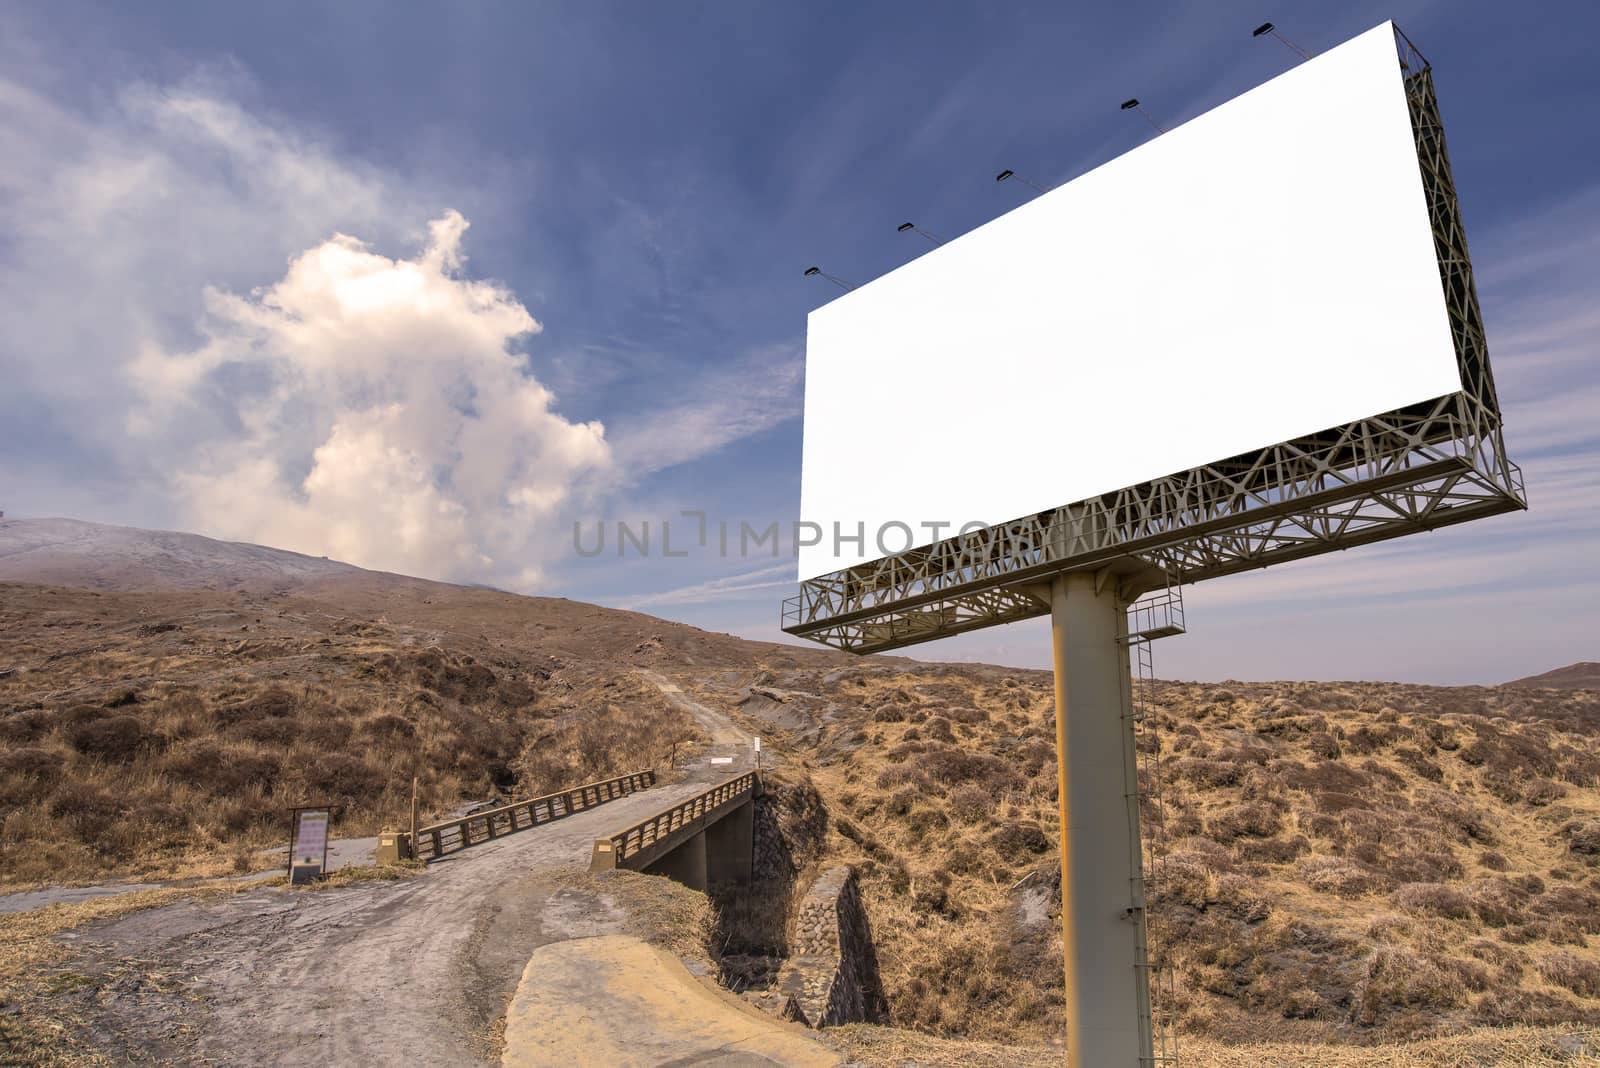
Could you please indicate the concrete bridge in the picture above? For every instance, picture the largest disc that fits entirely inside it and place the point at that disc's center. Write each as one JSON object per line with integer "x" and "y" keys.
{"x": 502, "y": 924}
{"x": 706, "y": 840}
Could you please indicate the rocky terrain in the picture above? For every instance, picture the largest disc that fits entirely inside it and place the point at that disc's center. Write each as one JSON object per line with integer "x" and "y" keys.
{"x": 1344, "y": 864}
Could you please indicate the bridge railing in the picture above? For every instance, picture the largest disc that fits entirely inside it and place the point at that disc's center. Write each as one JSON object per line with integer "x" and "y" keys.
{"x": 451, "y": 836}
{"x": 696, "y": 812}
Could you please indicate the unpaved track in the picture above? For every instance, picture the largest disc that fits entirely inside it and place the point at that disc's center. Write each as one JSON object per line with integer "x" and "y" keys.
{"x": 413, "y": 972}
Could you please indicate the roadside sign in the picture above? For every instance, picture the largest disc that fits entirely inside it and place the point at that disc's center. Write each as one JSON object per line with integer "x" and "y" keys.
{"x": 308, "y": 849}
{"x": 722, "y": 760}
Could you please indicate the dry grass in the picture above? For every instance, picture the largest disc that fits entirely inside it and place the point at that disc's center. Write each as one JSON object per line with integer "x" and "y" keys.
{"x": 33, "y": 1029}
{"x": 660, "y": 911}
{"x": 1516, "y": 1047}
{"x": 175, "y": 748}
{"x": 1348, "y": 864}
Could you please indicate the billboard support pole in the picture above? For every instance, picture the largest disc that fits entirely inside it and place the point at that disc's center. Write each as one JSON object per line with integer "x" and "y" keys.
{"x": 1102, "y": 878}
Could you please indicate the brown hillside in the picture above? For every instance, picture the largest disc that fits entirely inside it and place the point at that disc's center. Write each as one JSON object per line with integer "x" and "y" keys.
{"x": 1347, "y": 862}
{"x": 1351, "y": 862}
{"x": 167, "y": 731}
{"x": 1581, "y": 676}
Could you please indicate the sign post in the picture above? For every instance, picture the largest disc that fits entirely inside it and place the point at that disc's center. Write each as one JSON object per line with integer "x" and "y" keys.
{"x": 308, "y": 848}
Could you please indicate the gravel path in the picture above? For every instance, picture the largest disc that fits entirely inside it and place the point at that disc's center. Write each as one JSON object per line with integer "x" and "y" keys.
{"x": 413, "y": 972}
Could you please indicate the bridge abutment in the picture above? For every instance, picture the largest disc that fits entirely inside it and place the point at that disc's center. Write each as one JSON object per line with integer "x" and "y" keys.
{"x": 730, "y": 847}
{"x": 685, "y": 864}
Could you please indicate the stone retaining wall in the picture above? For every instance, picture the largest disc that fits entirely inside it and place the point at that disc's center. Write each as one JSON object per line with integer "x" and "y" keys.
{"x": 831, "y": 976}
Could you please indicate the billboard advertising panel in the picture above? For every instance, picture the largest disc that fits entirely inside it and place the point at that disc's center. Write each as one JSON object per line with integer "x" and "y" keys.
{"x": 1262, "y": 272}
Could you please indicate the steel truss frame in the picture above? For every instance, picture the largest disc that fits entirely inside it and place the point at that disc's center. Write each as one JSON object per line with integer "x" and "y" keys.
{"x": 1418, "y": 468}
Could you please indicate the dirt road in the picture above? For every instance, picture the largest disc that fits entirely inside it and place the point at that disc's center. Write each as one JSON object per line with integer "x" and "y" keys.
{"x": 413, "y": 972}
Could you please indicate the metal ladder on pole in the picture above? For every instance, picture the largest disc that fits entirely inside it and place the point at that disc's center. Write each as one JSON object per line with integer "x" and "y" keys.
{"x": 1157, "y": 615}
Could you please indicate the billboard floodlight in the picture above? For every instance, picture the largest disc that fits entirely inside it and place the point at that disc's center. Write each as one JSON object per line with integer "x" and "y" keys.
{"x": 813, "y": 272}
{"x": 1006, "y": 418}
{"x": 1267, "y": 29}
{"x": 1009, "y": 174}
{"x": 906, "y": 228}
{"x": 1132, "y": 104}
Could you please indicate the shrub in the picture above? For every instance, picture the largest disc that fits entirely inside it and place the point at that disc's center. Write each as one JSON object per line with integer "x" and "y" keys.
{"x": 1509, "y": 961}
{"x": 1583, "y": 837}
{"x": 115, "y": 738}
{"x": 1423, "y": 867}
{"x": 274, "y": 732}
{"x": 222, "y": 771}
{"x": 1577, "y": 974}
{"x": 970, "y": 803}
{"x": 1327, "y": 777}
{"x": 1398, "y": 979}
{"x": 901, "y": 801}
{"x": 1460, "y": 816}
{"x": 1572, "y": 903}
{"x": 1435, "y": 899}
{"x": 1529, "y": 1007}
{"x": 1332, "y": 802}
{"x": 24, "y": 772}
{"x": 1251, "y": 818}
{"x": 1323, "y": 746}
{"x": 1179, "y": 880}
{"x": 1018, "y": 840}
{"x": 1238, "y": 896}
{"x": 40, "y": 764}
{"x": 1336, "y": 875}
{"x": 390, "y": 727}
{"x": 951, "y": 766}
{"x": 83, "y": 803}
{"x": 1319, "y": 825}
{"x": 79, "y": 714}
{"x": 1272, "y": 850}
{"x": 1542, "y": 791}
{"x": 26, "y": 726}
{"x": 1497, "y": 902}
{"x": 269, "y": 704}
{"x": 901, "y": 775}
{"x": 1203, "y": 772}
{"x": 337, "y": 775}
{"x": 1414, "y": 759}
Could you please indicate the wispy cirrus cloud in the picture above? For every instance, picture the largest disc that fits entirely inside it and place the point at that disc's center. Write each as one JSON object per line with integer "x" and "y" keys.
{"x": 721, "y": 407}
{"x": 718, "y": 589}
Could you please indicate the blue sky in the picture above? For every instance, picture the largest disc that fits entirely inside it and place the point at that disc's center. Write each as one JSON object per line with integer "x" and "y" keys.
{"x": 646, "y": 182}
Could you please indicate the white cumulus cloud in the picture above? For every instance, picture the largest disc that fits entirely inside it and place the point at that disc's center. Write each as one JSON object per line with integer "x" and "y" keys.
{"x": 376, "y": 410}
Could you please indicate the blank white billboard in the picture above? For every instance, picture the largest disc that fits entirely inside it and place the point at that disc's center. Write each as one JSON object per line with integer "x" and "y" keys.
{"x": 1262, "y": 272}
